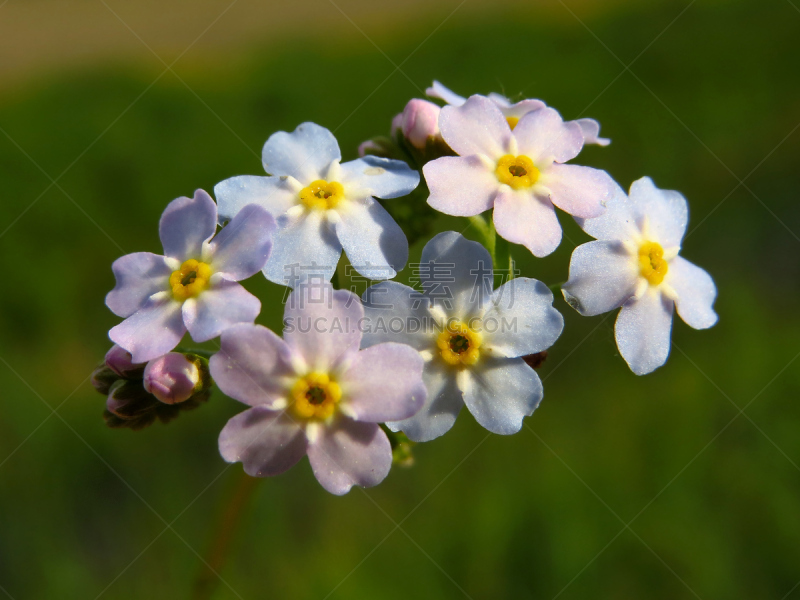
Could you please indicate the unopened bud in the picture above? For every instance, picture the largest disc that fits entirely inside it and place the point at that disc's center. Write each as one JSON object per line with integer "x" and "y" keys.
{"x": 420, "y": 122}
{"x": 368, "y": 147}
{"x": 381, "y": 146}
{"x": 397, "y": 123}
{"x": 116, "y": 365}
{"x": 121, "y": 362}
{"x": 128, "y": 400}
{"x": 172, "y": 378}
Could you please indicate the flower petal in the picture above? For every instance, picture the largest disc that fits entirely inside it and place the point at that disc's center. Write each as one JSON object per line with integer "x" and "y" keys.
{"x": 666, "y": 210}
{"x": 252, "y": 366}
{"x": 274, "y": 194}
{"x": 543, "y": 135}
{"x": 696, "y": 293}
{"x": 374, "y": 243}
{"x": 476, "y": 127}
{"x": 437, "y": 90}
{"x": 522, "y": 319}
{"x": 219, "y": 307}
{"x": 321, "y": 324}
{"x": 440, "y": 409}
{"x": 522, "y": 218}
{"x": 241, "y": 249}
{"x": 139, "y": 276}
{"x": 305, "y": 153}
{"x": 303, "y": 247}
{"x": 591, "y": 132}
{"x": 643, "y": 331}
{"x": 579, "y": 191}
{"x": 520, "y": 109}
{"x": 151, "y": 331}
{"x": 384, "y": 383}
{"x": 460, "y": 185}
{"x": 186, "y": 223}
{"x": 349, "y": 453}
{"x": 618, "y": 222}
{"x": 456, "y": 274}
{"x": 381, "y": 177}
{"x": 602, "y": 276}
{"x": 265, "y": 442}
{"x": 394, "y": 312}
{"x": 499, "y": 99}
{"x": 501, "y": 393}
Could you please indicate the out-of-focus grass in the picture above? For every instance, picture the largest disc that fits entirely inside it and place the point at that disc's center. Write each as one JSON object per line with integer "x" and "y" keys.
{"x": 714, "y": 497}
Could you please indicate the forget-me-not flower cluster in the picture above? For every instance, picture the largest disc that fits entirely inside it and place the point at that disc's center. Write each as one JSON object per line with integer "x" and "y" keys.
{"x": 352, "y": 377}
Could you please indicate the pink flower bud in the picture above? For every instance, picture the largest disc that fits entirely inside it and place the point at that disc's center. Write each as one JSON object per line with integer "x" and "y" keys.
{"x": 420, "y": 122}
{"x": 364, "y": 147}
{"x": 397, "y": 123}
{"x": 120, "y": 361}
{"x": 172, "y": 378}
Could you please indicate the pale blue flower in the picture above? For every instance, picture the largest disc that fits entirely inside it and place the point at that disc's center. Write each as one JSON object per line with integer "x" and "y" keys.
{"x": 634, "y": 264}
{"x": 472, "y": 337}
{"x": 322, "y": 207}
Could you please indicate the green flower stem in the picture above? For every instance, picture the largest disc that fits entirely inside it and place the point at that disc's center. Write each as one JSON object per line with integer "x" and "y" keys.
{"x": 499, "y": 248}
{"x": 227, "y": 525}
{"x": 504, "y": 262}
{"x": 487, "y": 232}
{"x": 204, "y": 353}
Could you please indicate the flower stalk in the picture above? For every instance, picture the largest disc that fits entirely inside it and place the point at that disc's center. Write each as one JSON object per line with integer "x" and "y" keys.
{"x": 223, "y": 537}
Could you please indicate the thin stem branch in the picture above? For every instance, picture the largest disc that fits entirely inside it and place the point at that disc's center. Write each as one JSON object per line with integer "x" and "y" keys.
{"x": 227, "y": 525}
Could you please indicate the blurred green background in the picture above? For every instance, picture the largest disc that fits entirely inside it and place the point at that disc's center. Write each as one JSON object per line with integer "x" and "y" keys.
{"x": 621, "y": 486}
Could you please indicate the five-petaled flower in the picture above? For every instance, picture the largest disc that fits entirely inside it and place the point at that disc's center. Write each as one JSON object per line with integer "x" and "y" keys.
{"x": 519, "y": 173}
{"x": 472, "y": 338}
{"x": 193, "y": 286}
{"x": 313, "y": 392}
{"x": 513, "y": 112}
{"x": 634, "y": 264}
{"x": 323, "y": 206}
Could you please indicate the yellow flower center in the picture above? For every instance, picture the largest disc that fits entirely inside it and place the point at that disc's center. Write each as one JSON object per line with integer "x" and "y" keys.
{"x": 512, "y": 122}
{"x": 460, "y": 344}
{"x": 652, "y": 265}
{"x": 517, "y": 171}
{"x": 321, "y": 194}
{"x": 315, "y": 396}
{"x": 191, "y": 279}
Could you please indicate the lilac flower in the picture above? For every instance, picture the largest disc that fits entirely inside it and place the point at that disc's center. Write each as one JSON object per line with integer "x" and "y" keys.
{"x": 514, "y": 112}
{"x": 313, "y": 392}
{"x": 471, "y": 337}
{"x": 519, "y": 173}
{"x": 634, "y": 264}
{"x": 194, "y": 285}
{"x": 322, "y": 206}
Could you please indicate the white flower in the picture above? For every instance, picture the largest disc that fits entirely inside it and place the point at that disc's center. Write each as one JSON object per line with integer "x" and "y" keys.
{"x": 514, "y": 112}
{"x": 471, "y": 336}
{"x": 519, "y": 173}
{"x": 635, "y": 264}
{"x": 322, "y": 206}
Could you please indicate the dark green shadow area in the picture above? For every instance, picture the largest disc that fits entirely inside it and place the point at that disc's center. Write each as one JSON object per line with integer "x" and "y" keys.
{"x": 714, "y": 494}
